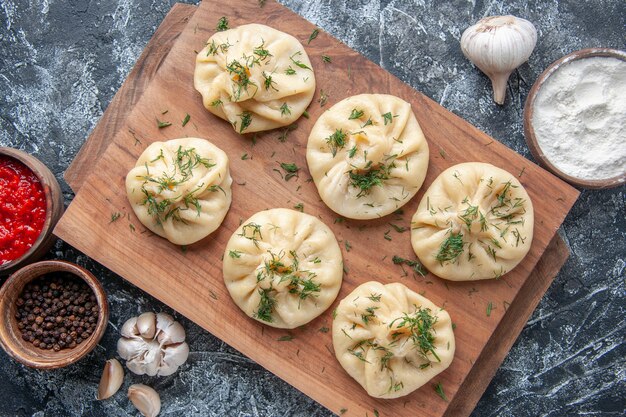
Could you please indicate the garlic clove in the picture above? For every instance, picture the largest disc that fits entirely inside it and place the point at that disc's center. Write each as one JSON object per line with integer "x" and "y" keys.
{"x": 111, "y": 380}
{"x": 136, "y": 366}
{"x": 145, "y": 399}
{"x": 164, "y": 320}
{"x": 146, "y": 324}
{"x": 130, "y": 348}
{"x": 152, "y": 358}
{"x": 497, "y": 45}
{"x": 174, "y": 333}
{"x": 129, "y": 328}
{"x": 173, "y": 357}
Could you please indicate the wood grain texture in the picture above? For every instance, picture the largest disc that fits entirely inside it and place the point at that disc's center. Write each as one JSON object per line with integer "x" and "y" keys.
{"x": 114, "y": 118}
{"x": 191, "y": 281}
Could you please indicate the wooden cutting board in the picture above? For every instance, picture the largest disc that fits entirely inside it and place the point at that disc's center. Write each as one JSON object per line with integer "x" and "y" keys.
{"x": 190, "y": 281}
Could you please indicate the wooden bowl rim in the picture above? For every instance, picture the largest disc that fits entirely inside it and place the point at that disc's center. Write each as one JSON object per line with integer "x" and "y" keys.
{"x": 10, "y": 336}
{"x": 529, "y": 132}
{"x": 52, "y": 191}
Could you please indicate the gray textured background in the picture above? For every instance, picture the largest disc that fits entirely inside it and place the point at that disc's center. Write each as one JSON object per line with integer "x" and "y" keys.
{"x": 62, "y": 62}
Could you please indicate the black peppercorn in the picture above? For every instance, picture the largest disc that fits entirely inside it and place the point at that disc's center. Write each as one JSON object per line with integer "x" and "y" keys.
{"x": 56, "y": 311}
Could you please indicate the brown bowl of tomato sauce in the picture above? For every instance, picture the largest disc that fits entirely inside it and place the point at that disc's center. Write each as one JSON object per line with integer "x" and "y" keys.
{"x": 31, "y": 204}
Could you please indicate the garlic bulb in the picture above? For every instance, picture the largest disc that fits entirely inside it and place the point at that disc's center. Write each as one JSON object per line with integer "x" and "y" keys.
{"x": 145, "y": 399}
{"x": 498, "y": 45}
{"x": 153, "y": 344}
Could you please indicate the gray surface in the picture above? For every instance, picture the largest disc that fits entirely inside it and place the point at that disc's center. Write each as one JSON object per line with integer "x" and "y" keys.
{"x": 62, "y": 62}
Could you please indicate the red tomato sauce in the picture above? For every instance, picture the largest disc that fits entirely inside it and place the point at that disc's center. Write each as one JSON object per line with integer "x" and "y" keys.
{"x": 22, "y": 209}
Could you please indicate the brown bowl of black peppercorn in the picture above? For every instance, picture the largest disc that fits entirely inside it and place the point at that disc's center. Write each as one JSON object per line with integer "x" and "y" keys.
{"x": 52, "y": 313}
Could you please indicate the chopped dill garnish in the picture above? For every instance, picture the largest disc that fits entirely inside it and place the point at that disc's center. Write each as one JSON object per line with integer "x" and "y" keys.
{"x": 439, "y": 390}
{"x": 413, "y": 264}
{"x": 234, "y": 254}
{"x": 420, "y": 326}
{"x": 241, "y": 76}
{"x": 356, "y": 114}
{"x": 324, "y": 330}
{"x": 266, "y": 305}
{"x": 251, "y": 231}
{"x": 161, "y": 124}
{"x": 216, "y": 103}
{"x": 367, "y": 123}
{"x": 347, "y": 245}
{"x": 352, "y": 152}
{"x": 115, "y": 216}
{"x": 313, "y": 35}
{"x": 285, "y": 133}
{"x": 375, "y": 297}
{"x": 186, "y": 119}
{"x": 269, "y": 83}
{"x": 364, "y": 181}
{"x": 489, "y": 308}
{"x": 469, "y": 215}
{"x": 290, "y": 71}
{"x": 222, "y": 24}
{"x": 298, "y": 62}
{"x": 336, "y": 141}
{"x": 305, "y": 114}
{"x": 286, "y": 338}
{"x": 370, "y": 313}
{"x": 399, "y": 229}
{"x": 450, "y": 248}
{"x": 284, "y": 109}
{"x": 244, "y": 157}
{"x": 388, "y": 118}
{"x": 299, "y": 207}
{"x": 327, "y": 59}
{"x": 246, "y": 120}
{"x": 261, "y": 52}
{"x": 323, "y": 98}
{"x": 291, "y": 170}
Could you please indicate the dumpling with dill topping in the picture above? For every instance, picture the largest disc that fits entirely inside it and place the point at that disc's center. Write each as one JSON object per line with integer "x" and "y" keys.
{"x": 367, "y": 155}
{"x": 283, "y": 267}
{"x": 390, "y": 339}
{"x": 180, "y": 189}
{"x": 256, "y": 77}
{"x": 474, "y": 222}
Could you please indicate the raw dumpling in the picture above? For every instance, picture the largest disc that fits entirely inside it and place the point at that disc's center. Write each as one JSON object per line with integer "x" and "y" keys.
{"x": 180, "y": 189}
{"x": 474, "y": 222}
{"x": 254, "y": 76}
{"x": 283, "y": 268}
{"x": 367, "y": 155}
{"x": 390, "y": 339}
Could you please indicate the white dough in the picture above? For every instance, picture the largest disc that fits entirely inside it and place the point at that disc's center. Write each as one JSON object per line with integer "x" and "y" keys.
{"x": 371, "y": 138}
{"x": 180, "y": 189}
{"x": 254, "y": 74}
{"x": 474, "y": 222}
{"x": 376, "y": 339}
{"x": 283, "y": 267}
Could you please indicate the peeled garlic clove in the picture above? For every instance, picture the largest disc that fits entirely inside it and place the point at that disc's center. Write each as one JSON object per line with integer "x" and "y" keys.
{"x": 498, "y": 45}
{"x": 111, "y": 380}
{"x": 145, "y": 399}
{"x": 129, "y": 329}
{"x": 146, "y": 324}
